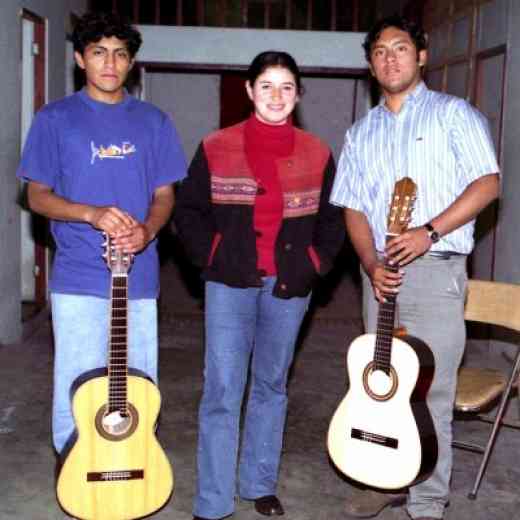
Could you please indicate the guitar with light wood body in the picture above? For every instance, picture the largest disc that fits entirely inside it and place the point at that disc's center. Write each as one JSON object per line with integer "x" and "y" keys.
{"x": 382, "y": 434}
{"x": 116, "y": 470}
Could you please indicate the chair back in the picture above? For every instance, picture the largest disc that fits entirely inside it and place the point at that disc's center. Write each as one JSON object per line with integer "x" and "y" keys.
{"x": 496, "y": 303}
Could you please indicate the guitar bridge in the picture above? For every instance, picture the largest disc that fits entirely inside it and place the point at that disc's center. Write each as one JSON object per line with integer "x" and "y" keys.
{"x": 388, "y": 442}
{"x": 109, "y": 476}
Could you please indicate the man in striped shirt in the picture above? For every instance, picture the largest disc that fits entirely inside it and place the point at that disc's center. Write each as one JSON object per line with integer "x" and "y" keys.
{"x": 444, "y": 145}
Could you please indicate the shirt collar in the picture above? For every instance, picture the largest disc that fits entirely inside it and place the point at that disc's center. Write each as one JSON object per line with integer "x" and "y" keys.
{"x": 412, "y": 98}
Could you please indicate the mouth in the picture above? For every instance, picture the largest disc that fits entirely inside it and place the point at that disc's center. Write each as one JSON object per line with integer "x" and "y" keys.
{"x": 276, "y": 108}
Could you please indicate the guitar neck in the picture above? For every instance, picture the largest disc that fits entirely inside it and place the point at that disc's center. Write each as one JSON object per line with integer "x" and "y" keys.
{"x": 385, "y": 327}
{"x": 118, "y": 351}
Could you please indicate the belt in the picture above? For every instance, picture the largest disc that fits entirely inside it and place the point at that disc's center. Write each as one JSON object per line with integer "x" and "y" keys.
{"x": 443, "y": 255}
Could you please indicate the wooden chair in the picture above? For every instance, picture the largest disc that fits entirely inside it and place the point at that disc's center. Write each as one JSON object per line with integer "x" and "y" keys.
{"x": 494, "y": 303}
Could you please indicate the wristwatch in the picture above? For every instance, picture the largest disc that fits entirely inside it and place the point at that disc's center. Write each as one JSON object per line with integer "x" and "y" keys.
{"x": 432, "y": 233}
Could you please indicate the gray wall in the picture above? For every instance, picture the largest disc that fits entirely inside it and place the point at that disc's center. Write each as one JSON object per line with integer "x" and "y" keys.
{"x": 56, "y": 13}
{"x": 191, "y": 100}
{"x": 507, "y": 260}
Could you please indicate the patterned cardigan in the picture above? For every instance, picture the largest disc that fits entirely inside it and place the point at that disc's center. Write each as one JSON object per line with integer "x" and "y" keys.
{"x": 214, "y": 213}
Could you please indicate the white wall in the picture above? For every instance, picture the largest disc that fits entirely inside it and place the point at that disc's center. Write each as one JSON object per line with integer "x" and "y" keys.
{"x": 202, "y": 45}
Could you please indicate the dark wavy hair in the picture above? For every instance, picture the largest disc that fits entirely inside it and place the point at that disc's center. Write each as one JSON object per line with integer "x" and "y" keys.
{"x": 416, "y": 32}
{"x": 91, "y": 27}
{"x": 267, "y": 59}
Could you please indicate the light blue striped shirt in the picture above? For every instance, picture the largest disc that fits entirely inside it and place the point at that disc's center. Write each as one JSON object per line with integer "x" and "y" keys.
{"x": 440, "y": 141}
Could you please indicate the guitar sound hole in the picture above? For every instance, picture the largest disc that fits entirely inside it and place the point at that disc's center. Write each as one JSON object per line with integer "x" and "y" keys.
{"x": 116, "y": 425}
{"x": 379, "y": 385}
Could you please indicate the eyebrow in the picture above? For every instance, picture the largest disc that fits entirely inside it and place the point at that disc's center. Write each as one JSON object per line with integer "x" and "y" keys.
{"x": 266, "y": 81}
{"x": 98, "y": 46}
{"x": 392, "y": 42}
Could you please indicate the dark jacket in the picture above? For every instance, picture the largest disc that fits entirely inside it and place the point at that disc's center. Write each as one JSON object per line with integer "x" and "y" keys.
{"x": 214, "y": 214}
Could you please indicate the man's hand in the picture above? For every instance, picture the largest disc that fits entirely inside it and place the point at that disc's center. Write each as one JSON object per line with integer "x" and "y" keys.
{"x": 384, "y": 281}
{"x": 111, "y": 220}
{"x": 134, "y": 239}
{"x": 403, "y": 249}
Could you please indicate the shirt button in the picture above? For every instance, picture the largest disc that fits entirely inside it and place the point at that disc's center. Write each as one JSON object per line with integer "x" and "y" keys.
{"x": 288, "y": 247}
{"x": 283, "y": 287}
{"x": 261, "y": 191}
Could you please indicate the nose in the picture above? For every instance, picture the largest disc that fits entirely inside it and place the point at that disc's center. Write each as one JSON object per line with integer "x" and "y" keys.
{"x": 110, "y": 59}
{"x": 390, "y": 55}
{"x": 276, "y": 93}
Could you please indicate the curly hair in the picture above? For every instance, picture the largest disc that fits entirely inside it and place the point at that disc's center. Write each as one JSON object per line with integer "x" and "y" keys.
{"x": 92, "y": 27}
{"x": 416, "y": 32}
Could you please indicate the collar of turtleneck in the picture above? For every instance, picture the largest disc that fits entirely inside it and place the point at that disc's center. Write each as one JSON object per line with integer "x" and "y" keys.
{"x": 277, "y": 140}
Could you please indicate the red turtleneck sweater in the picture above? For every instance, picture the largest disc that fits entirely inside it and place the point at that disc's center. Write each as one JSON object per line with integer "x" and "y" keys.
{"x": 264, "y": 144}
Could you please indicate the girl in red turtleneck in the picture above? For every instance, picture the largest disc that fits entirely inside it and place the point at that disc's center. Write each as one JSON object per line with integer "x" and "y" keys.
{"x": 253, "y": 213}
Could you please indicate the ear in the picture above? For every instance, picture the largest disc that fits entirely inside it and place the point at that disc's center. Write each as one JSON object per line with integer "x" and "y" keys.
{"x": 249, "y": 90}
{"x": 371, "y": 69}
{"x": 79, "y": 60}
{"x": 423, "y": 58}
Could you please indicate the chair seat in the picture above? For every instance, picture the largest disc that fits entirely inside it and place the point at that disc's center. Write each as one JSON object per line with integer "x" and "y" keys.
{"x": 478, "y": 387}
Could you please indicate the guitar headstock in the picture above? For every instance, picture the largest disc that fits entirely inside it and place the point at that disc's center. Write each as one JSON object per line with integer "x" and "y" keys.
{"x": 117, "y": 261}
{"x": 401, "y": 206}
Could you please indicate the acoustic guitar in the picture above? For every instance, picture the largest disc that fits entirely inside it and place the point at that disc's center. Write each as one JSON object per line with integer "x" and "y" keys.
{"x": 382, "y": 434}
{"x": 116, "y": 470}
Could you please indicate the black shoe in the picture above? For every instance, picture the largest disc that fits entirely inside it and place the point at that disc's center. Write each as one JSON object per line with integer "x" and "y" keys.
{"x": 268, "y": 506}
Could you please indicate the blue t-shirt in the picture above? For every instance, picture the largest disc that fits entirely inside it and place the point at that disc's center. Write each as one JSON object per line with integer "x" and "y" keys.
{"x": 103, "y": 155}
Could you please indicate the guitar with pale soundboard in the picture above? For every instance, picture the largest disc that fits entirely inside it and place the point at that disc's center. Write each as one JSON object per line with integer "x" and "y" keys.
{"x": 117, "y": 469}
{"x": 382, "y": 433}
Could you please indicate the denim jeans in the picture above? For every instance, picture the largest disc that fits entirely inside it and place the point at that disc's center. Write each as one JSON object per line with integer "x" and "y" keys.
{"x": 81, "y": 335}
{"x": 430, "y": 306}
{"x": 243, "y": 326}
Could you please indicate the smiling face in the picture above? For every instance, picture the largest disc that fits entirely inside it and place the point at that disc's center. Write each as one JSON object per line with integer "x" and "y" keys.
{"x": 274, "y": 95}
{"x": 395, "y": 62}
{"x": 106, "y": 64}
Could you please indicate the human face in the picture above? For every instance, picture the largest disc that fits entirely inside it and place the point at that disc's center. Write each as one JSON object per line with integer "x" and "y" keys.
{"x": 274, "y": 95}
{"x": 106, "y": 64}
{"x": 395, "y": 62}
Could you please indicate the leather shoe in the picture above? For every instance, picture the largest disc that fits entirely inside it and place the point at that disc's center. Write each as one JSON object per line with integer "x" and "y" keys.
{"x": 268, "y": 505}
{"x": 367, "y": 503}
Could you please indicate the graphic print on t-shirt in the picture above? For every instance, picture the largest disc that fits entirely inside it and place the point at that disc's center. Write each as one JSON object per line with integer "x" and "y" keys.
{"x": 111, "y": 152}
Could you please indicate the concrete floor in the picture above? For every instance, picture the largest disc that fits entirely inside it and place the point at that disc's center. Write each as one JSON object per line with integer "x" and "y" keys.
{"x": 309, "y": 487}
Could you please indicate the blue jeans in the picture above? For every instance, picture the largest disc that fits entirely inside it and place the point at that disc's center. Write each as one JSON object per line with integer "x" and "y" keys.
{"x": 81, "y": 334}
{"x": 243, "y": 325}
{"x": 431, "y": 307}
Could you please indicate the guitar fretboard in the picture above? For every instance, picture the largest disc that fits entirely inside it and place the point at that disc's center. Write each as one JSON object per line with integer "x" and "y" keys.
{"x": 385, "y": 329}
{"x": 118, "y": 362}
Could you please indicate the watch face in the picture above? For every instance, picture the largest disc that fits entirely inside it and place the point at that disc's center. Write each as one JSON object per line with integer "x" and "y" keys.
{"x": 434, "y": 236}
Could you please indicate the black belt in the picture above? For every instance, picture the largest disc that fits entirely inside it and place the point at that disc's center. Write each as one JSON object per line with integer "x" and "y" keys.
{"x": 443, "y": 255}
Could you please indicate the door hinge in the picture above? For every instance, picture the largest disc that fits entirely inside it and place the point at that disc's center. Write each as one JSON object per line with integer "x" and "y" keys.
{"x": 35, "y": 49}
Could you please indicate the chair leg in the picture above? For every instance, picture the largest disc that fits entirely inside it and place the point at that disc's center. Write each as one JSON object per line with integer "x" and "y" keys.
{"x": 496, "y": 425}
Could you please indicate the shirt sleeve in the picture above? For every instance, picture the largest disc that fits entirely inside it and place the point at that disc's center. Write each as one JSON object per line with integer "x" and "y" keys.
{"x": 348, "y": 187}
{"x": 40, "y": 158}
{"x": 472, "y": 143}
{"x": 170, "y": 161}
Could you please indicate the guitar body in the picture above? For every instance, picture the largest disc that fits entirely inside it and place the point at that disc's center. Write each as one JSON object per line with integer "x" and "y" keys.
{"x": 116, "y": 470}
{"x": 382, "y": 434}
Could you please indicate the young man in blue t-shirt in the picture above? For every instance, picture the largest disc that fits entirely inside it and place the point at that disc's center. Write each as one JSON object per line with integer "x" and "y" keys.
{"x": 101, "y": 161}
